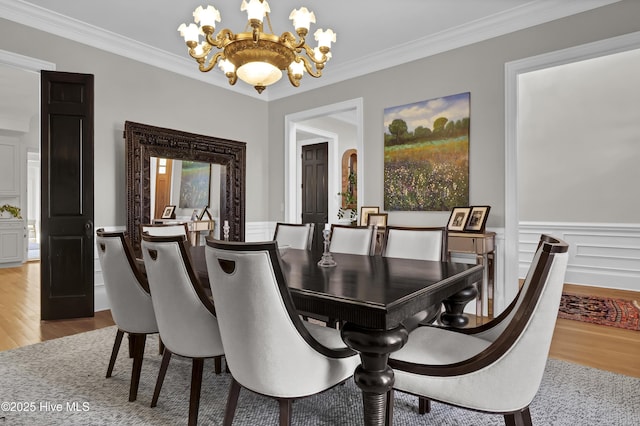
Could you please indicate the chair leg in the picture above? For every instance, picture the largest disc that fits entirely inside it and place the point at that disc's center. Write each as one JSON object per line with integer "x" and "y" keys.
{"x": 196, "y": 385}
{"x": 114, "y": 352}
{"x": 232, "y": 402}
{"x": 285, "y": 411}
{"x": 519, "y": 418}
{"x": 390, "y": 399}
{"x": 166, "y": 357}
{"x": 139, "y": 341}
{"x": 217, "y": 364}
{"x": 424, "y": 405}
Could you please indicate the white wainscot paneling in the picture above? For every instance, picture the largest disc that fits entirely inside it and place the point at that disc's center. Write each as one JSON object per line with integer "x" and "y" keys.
{"x": 601, "y": 255}
{"x": 259, "y": 231}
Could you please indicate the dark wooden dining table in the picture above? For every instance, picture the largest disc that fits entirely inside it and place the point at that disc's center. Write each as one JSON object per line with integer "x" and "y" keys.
{"x": 371, "y": 296}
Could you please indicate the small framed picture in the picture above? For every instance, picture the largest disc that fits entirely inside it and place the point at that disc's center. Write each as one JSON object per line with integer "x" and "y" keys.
{"x": 377, "y": 219}
{"x": 204, "y": 212}
{"x": 477, "y": 218}
{"x": 168, "y": 212}
{"x": 458, "y": 218}
{"x": 365, "y": 212}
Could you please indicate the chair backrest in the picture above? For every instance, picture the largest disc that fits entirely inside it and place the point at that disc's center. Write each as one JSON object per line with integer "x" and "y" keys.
{"x": 185, "y": 314}
{"x": 426, "y": 243}
{"x": 267, "y": 347}
{"x": 294, "y": 235}
{"x": 165, "y": 229}
{"x": 353, "y": 239}
{"x": 126, "y": 286}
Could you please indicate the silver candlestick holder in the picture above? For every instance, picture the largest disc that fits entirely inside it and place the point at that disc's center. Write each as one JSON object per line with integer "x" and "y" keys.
{"x": 225, "y": 231}
{"x": 327, "y": 259}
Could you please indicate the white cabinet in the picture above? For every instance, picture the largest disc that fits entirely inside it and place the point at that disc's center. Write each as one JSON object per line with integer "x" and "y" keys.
{"x": 12, "y": 236}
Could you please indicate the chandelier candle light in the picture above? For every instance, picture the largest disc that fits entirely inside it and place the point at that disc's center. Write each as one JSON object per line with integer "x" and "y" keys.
{"x": 256, "y": 57}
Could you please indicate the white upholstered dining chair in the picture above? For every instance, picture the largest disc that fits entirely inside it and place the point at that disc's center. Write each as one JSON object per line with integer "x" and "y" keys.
{"x": 420, "y": 243}
{"x": 129, "y": 300}
{"x": 303, "y": 358}
{"x": 186, "y": 316}
{"x": 353, "y": 239}
{"x": 498, "y": 366}
{"x": 294, "y": 235}
{"x": 165, "y": 229}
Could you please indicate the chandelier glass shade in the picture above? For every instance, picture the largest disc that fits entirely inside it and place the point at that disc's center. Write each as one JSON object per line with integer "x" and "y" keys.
{"x": 253, "y": 56}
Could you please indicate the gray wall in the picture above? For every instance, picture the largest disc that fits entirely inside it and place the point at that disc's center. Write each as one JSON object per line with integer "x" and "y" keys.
{"x": 578, "y": 144}
{"x": 129, "y": 90}
{"x": 478, "y": 69}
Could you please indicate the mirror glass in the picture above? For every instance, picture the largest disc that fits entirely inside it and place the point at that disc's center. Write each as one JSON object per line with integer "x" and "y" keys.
{"x": 190, "y": 186}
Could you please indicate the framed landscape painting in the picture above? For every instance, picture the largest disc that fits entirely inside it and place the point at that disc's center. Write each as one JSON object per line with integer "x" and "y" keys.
{"x": 195, "y": 184}
{"x": 426, "y": 155}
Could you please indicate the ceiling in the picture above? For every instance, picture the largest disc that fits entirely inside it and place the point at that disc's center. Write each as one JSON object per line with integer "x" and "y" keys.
{"x": 370, "y": 35}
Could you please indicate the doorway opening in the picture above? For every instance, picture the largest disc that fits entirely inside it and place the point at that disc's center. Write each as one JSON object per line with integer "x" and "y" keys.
{"x": 311, "y": 126}
{"x": 33, "y": 206}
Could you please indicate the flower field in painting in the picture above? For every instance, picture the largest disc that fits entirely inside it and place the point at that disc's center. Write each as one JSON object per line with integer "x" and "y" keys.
{"x": 427, "y": 176}
{"x": 426, "y": 155}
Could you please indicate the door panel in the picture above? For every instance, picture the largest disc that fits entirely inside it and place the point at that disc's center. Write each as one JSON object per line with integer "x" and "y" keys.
{"x": 315, "y": 197}
{"x": 67, "y": 246}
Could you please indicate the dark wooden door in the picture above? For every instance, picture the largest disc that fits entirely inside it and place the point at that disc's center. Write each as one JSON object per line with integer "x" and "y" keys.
{"x": 315, "y": 196}
{"x": 67, "y": 247}
{"x": 164, "y": 173}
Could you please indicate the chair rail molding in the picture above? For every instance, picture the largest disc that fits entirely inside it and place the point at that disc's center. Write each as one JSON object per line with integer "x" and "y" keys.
{"x": 600, "y": 254}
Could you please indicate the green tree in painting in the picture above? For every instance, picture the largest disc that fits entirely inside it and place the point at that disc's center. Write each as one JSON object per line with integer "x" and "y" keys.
{"x": 421, "y": 132}
{"x": 438, "y": 125}
{"x": 398, "y": 128}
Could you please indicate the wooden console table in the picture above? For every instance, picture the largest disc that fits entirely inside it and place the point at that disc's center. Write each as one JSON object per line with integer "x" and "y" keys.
{"x": 483, "y": 246}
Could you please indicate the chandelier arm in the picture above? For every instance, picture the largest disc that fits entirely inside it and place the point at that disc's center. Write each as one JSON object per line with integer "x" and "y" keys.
{"x": 206, "y": 66}
{"x": 307, "y": 65}
{"x": 221, "y": 38}
{"x": 289, "y": 39}
{"x": 312, "y": 56}
{"x": 294, "y": 81}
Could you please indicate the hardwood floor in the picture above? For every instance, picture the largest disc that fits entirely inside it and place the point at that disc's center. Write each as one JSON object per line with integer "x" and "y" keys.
{"x": 20, "y": 323}
{"x": 606, "y": 348}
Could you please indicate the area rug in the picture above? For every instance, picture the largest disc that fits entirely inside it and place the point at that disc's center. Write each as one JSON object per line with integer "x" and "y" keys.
{"x": 61, "y": 382}
{"x": 619, "y": 313}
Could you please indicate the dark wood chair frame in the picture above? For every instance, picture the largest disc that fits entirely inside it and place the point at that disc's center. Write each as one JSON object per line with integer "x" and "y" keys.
{"x": 197, "y": 363}
{"x": 550, "y": 246}
{"x": 137, "y": 341}
{"x": 285, "y": 404}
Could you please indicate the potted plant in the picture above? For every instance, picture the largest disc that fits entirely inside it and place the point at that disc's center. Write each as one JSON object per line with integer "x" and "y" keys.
{"x": 8, "y": 210}
{"x": 347, "y": 211}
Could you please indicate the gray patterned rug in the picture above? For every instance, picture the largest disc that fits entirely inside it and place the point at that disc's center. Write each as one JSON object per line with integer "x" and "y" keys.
{"x": 61, "y": 382}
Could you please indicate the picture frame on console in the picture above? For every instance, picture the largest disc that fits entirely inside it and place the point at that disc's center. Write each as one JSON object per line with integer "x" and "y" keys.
{"x": 458, "y": 219}
{"x": 169, "y": 212}
{"x": 365, "y": 211}
{"x": 477, "y": 219}
{"x": 377, "y": 219}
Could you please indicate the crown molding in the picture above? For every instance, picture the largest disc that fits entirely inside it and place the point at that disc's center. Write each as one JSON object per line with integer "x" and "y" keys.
{"x": 533, "y": 13}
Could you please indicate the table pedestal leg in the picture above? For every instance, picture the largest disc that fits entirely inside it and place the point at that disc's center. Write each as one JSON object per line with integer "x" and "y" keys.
{"x": 454, "y": 316}
{"x": 373, "y": 376}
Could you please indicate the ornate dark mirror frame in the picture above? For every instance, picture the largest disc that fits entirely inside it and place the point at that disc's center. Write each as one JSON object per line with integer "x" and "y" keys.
{"x": 144, "y": 141}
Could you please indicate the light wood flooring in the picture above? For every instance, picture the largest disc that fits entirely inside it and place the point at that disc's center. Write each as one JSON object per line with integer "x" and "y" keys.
{"x": 603, "y": 347}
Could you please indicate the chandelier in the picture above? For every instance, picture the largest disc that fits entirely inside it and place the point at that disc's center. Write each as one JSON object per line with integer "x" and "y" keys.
{"x": 256, "y": 57}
